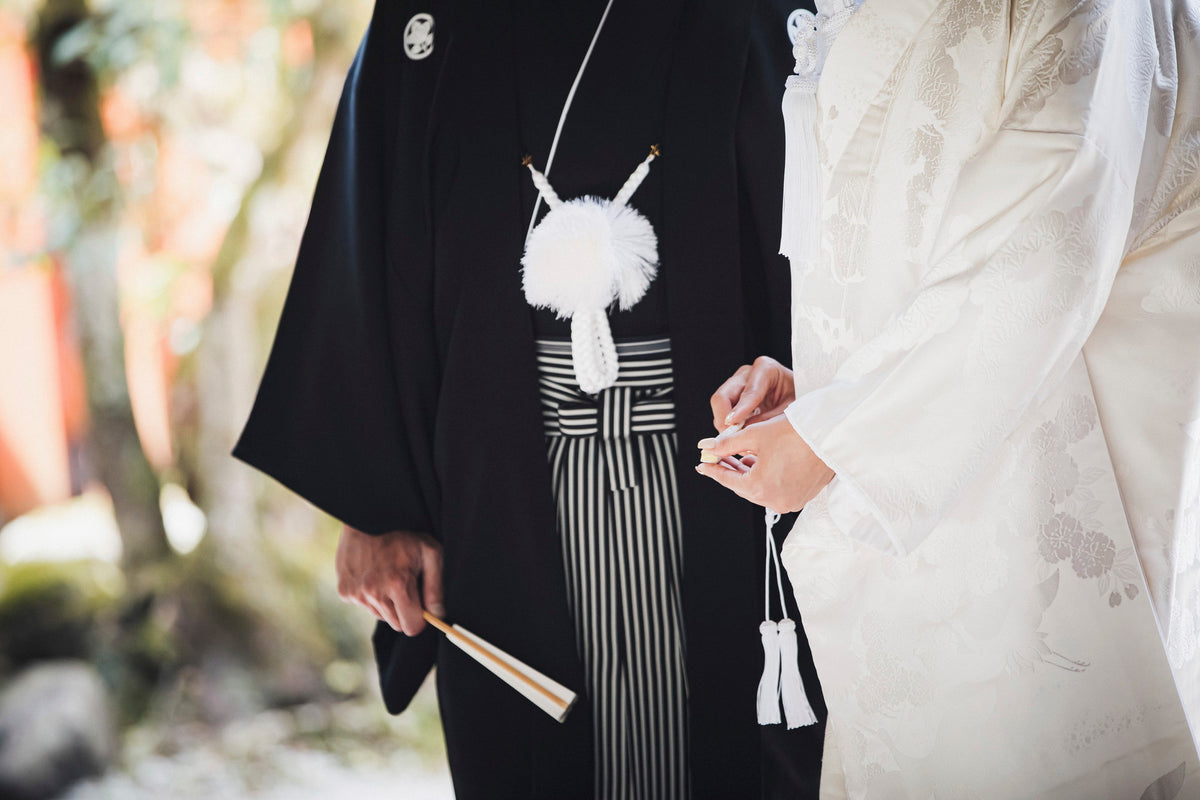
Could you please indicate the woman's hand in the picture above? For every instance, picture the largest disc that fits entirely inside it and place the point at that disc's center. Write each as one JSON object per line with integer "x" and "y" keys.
{"x": 777, "y": 470}
{"x": 395, "y": 576}
{"x": 765, "y": 385}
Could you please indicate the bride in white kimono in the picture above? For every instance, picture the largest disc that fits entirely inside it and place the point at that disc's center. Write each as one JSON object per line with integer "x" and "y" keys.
{"x": 996, "y": 400}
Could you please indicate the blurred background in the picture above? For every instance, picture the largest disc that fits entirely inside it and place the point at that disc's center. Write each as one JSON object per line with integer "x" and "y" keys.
{"x": 168, "y": 621}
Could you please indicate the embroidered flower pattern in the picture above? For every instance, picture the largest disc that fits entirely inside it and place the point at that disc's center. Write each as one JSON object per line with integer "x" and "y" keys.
{"x": 1070, "y": 532}
{"x": 1092, "y": 555}
{"x": 1057, "y": 536}
{"x": 1077, "y": 418}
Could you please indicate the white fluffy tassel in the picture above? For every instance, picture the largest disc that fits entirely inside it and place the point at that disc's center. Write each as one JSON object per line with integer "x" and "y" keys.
{"x": 635, "y": 251}
{"x": 585, "y": 255}
{"x": 571, "y": 258}
{"x": 796, "y": 708}
{"x": 768, "y": 685}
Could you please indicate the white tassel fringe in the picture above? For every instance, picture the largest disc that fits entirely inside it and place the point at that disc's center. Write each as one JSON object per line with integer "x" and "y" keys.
{"x": 768, "y": 685}
{"x": 585, "y": 254}
{"x": 796, "y": 708}
{"x": 800, "y": 239}
{"x": 781, "y": 652}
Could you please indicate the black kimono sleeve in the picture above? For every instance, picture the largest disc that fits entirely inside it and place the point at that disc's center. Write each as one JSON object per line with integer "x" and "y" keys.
{"x": 330, "y": 419}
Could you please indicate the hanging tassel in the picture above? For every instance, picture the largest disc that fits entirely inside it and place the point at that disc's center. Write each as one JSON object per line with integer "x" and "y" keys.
{"x": 801, "y": 171}
{"x": 796, "y": 708}
{"x": 781, "y": 652}
{"x": 768, "y": 685}
{"x": 800, "y": 240}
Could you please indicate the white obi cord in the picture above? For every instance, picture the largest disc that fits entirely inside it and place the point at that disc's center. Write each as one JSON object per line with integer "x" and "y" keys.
{"x": 585, "y": 255}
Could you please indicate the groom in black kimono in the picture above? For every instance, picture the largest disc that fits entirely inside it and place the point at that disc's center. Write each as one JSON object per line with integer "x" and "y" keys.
{"x": 401, "y": 395}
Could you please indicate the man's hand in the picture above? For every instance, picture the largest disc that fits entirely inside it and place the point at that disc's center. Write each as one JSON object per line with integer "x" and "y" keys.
{"x": 394, "y": 576}
{"x": 765, "y": 385}
{"x": 777, "y": 470}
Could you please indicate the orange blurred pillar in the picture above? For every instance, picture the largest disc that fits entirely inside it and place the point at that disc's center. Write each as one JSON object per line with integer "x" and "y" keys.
{"x": 34, "y": 465}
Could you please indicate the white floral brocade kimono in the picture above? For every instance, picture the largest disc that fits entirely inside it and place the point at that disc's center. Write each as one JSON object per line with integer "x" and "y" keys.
{"x": 997, "y": 350}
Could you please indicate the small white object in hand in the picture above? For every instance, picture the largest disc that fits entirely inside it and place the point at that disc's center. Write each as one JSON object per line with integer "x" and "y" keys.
{"x": 707, "y": 456}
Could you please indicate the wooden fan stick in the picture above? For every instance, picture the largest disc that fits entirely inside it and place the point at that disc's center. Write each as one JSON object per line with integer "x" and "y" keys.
{"x": 468, "y": 645}
{"x": 526, "y": 680}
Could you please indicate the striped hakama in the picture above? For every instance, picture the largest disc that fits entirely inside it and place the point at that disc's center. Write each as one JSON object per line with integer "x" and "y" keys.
{"x": 611, "y": 459}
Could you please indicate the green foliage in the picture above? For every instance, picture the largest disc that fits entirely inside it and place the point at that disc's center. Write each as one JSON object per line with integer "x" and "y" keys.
{"x": 52, "y": 610}
{"x": 80, "y": 610}
{"x": 127, "y": 34}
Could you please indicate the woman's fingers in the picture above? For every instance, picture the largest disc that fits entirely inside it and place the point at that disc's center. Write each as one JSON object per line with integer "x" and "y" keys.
{"x": 735, "y": 464}
{"x": 748, "y": 403}
{"x": 762, "y": 390}
{"x": 778, "y": 469}
{"x": 730, "y": 443}
{"x": 727, "y": 395}
{"x": 731, "y": 479}
{"x": 757, "y": 391}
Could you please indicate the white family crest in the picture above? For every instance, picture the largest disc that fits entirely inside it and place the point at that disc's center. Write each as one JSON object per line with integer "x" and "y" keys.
{"x": 418, "y": 37}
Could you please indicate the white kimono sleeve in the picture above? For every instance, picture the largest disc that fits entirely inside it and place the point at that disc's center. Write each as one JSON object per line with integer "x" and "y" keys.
{"x": 1029, "y": 245}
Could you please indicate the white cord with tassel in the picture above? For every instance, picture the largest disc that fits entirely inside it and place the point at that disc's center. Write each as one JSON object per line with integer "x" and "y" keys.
{"x": 800, "y": 238}
{"x": 801, "y": 165}
{"x": 588, "y": 253}
{"x": 768, "y": 685}
{"x": 781, "y": 652}
{"x": 796, "y": 708}
{"x": 585, "y": 255}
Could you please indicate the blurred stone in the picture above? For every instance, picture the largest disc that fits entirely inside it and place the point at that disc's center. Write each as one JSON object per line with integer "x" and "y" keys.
{"x": 56, "y": 728}
{"x": 49, "y": 609}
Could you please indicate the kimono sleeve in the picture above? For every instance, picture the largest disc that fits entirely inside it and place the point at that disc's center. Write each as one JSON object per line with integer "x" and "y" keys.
{"x": 1022, "y": 266}
{"x": 328, "y": 422}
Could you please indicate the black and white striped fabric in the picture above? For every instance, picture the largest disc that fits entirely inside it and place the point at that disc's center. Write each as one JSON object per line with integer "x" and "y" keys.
{"x": 611, "y": 459}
